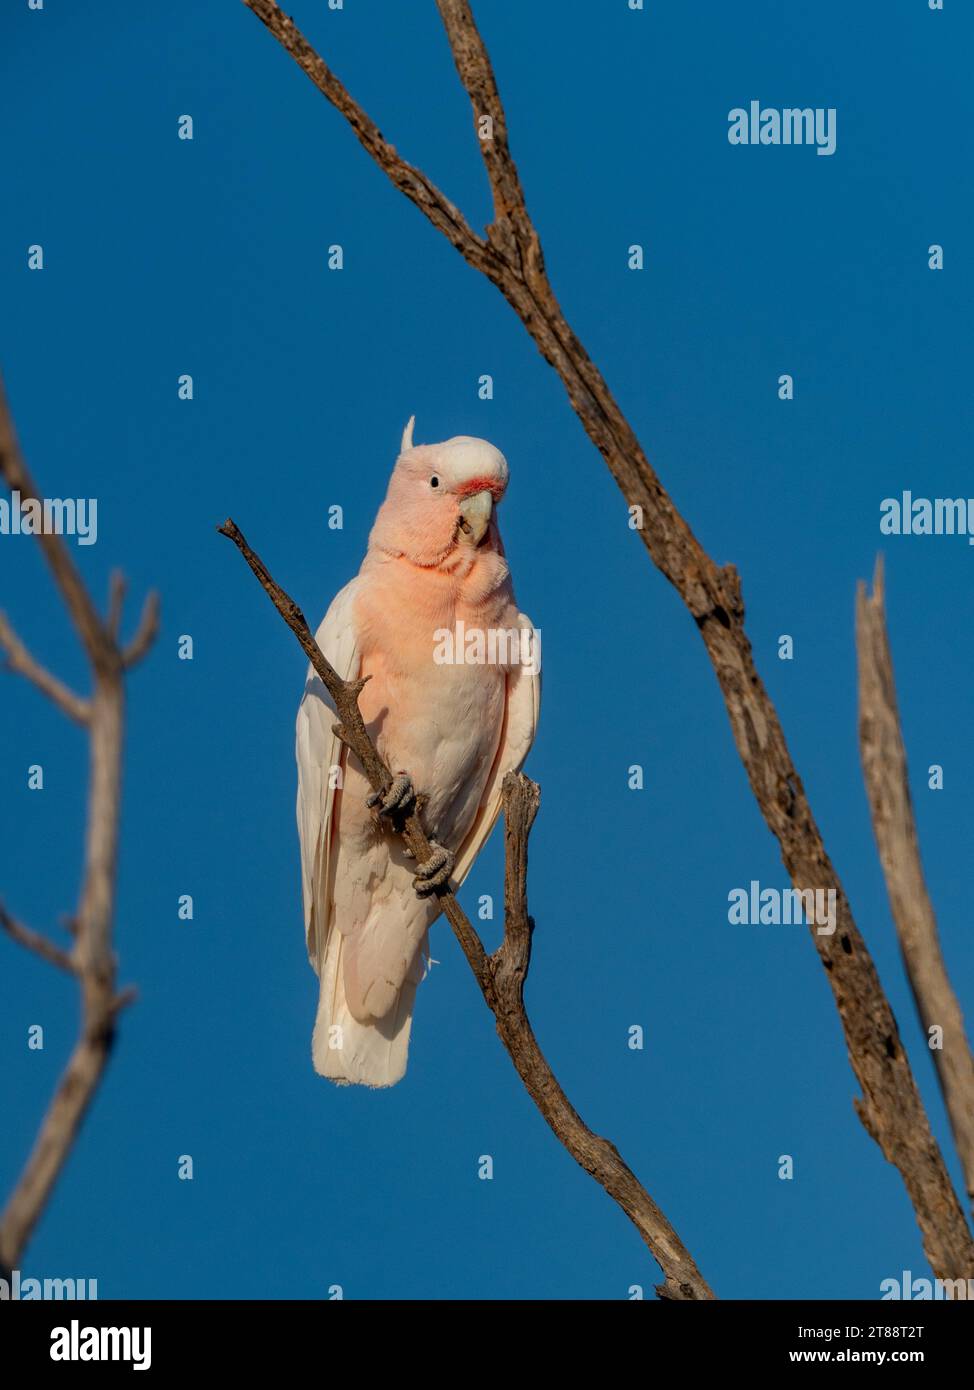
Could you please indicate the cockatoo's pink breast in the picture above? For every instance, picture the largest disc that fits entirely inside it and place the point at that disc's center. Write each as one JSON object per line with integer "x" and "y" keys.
{"x": 439, "y": 720}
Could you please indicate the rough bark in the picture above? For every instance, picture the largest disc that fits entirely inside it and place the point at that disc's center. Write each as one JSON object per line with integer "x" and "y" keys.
{"x": 888, "y": 788}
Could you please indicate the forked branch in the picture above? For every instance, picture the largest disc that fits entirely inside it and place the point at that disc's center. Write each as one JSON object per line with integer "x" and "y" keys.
{"x": 91, "y": 960}
{"x": 511, "y": 257}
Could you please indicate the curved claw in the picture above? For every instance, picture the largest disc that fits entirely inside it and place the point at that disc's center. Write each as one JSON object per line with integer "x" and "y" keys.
{"x": 395, "y": 797}
{"x": 435, "y": 872}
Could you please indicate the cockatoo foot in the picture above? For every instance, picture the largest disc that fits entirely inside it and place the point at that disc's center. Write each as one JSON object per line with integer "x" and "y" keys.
{"x": 395, "y": 797}
{"x": 435, "y": 872}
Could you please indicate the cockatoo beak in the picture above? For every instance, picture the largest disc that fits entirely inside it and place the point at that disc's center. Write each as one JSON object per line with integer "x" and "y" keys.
{"x": 475, "y": 515}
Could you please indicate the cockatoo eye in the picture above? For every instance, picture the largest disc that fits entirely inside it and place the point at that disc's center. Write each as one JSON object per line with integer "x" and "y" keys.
{"x": 434, "y": 481}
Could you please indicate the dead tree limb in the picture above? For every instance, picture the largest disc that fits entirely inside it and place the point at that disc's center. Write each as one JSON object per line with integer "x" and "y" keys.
{"x": 500, "y": 976}
{"x": 890, "y": 1108}
{"x": 888, "y": 788}
{"x": 34, "y": 941}
{"x": 91, "y": 959}
{"x": 20, "y": 660}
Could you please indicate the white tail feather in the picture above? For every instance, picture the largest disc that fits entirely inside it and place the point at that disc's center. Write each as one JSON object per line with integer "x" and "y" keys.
{"x": 349, "y": 1052}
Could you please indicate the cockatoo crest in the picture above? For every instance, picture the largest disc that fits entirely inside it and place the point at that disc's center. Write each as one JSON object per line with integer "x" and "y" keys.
{"x": 440, "y": 501}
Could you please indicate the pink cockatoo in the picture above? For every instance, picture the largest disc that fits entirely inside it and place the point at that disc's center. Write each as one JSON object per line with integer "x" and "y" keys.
{"x": 448, "y": 728}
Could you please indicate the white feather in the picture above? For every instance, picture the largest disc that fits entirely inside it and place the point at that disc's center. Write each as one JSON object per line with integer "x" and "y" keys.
{"x": 318, "y": 750}
{"x": 520, "y": 723}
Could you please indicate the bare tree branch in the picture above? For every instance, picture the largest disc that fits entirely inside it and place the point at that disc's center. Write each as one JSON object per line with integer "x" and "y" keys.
{"x": 20, "y": 660}
{"x": 890, "y": 1108}
{"x": 148, "y": 628}
{"x": 37, "y": 943}
{"x": 92, "y": 959}
{"x": 888, "y": 788}
{"x": 145, "y": 634}
{"x": 500, "y": 976}
{"x": 512, "y": 232}
{"x": 416, "y": 186}
{"x": 116, "y": 601}
{"x": 93, "y": 632}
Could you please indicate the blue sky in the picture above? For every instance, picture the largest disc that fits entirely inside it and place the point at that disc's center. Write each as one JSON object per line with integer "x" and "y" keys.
{"x": 209, "y": 257}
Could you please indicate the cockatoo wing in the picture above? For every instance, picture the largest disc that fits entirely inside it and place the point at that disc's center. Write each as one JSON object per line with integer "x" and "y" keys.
{"x": 517, "y": 735}
{"x": 318, "y": 752}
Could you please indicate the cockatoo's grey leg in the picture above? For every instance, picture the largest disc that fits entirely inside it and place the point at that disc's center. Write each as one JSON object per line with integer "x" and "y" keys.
{"x": 396, "y": 797}
{"x": 436, "y": 871}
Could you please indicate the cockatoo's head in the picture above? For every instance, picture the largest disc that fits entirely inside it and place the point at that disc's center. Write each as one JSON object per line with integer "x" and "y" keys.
{"x": 441, "y": 500}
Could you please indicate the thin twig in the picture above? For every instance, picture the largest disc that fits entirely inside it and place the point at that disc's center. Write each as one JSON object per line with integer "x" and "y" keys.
{"x": 37, "y": 943}
{"x": 890, "y": 1108}
{"x": 116, "y": 601}
{"x": 20, "y": 660}
{"x": 501, "y": 976}
{"x": 145, "y": 634}
{"x": 93, "y": 632}
{"x": 888, "y": 788}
